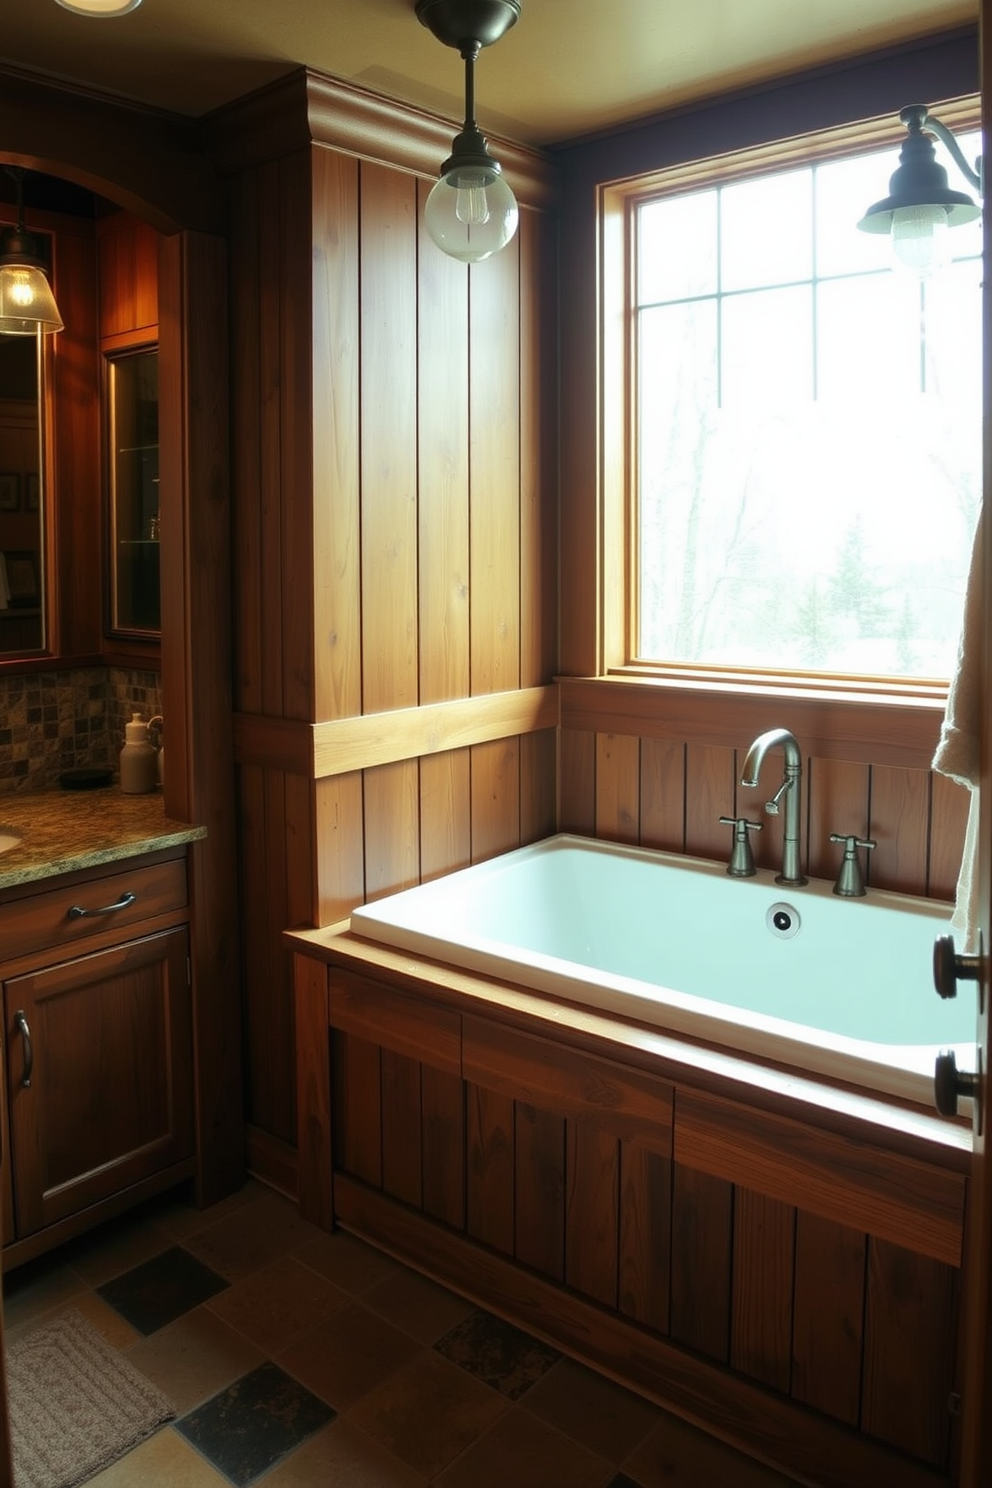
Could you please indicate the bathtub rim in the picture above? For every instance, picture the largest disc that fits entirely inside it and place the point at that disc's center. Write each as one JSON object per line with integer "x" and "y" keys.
{"x": 903, "y": 1072}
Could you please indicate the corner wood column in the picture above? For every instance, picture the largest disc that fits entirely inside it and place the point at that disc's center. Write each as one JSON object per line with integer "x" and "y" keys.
{"x": 196, "y": 676}
{"x": 315, "y": 1193}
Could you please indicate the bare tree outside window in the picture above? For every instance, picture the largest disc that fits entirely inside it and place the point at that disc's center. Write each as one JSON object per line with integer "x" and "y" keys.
{"x": 808, "y": 430}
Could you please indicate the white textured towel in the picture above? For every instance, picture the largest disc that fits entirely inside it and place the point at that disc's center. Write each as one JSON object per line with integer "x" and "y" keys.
{"x": 959, "y": 748}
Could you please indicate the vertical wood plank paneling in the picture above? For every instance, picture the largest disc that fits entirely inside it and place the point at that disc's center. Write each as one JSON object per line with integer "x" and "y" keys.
{"x": 702, "y": 1220}
{"x": 761, "y": 1323}
{"x": 301, "y": 877}
{"x": 401, "y": 1144}
{"x": 539, "y": 1198}
{"x": 489, "y": 1168}
{"x": 443, "y": 1110}
{"x": 538, "y": 802}
{"x": 357, "y": 1120}
{"x": 838, "y": 802}
{"x": 495, "y": 798}
{"x": 662, "y": 794}
{"x": 909, "y": 1350}
{"x": 592, "y": 1167}
{"x": 388, "y": 438}
{"x": 269, "y": 417}
{"x": 392, "y": 830}
{"x": 948, "y": 820}
{"x": 246, "y": 398}
{"x": 709, "y": 794}
{"x": 336, "y": 477}
{"x": 296, "y": 442}
{"x": 577, "y": 784}
{"x": 445, "y": 812}
{"x": 443, "y": 480}
{"x": 538, "y": 472}
{"x": 899, "y": 819}
{"x": 259, "y": 975}
{"x": 313, "y": 1074}
{"x": 494, "y": 370}
{"x": 339, "y": 835}
{"x": 645, "y": 1234}
{"x": 278, "y": 1040}
{"x": 828, "y": 1313}
{"x": 617, "y": 787}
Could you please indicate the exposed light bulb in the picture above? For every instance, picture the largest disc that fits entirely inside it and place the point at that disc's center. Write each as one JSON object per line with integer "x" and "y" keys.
{"x": 471, "y": 205}
{"x": 21, "y": 293}
{"x": 919, "y": 237}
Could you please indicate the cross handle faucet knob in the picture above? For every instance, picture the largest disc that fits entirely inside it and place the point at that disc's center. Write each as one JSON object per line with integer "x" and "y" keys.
{"x": 850, "y": 882}
{"x": 741, "y": 863}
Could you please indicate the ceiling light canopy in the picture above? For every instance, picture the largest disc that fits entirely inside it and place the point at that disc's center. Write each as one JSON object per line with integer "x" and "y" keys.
{"x": 471, "y": 212}
{"x": 99, "y": 7}
{"x": 920, "y": 206}
{"x": 27, "y": 304}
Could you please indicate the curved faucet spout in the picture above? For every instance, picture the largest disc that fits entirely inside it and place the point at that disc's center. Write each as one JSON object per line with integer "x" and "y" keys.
{"x": 791, "y": 788}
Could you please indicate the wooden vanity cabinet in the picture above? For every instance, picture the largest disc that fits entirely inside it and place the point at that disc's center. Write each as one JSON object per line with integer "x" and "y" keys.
{"x": 99, "y": 1071}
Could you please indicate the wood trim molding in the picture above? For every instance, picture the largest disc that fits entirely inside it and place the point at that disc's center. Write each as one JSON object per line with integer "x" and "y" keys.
{"x": 340, "y": 746}
{"x": 841, "y": 1178}
{"x": 404, "y": 1025}
{"x": 829, "y": 725}
{"x": 307, "y": 107}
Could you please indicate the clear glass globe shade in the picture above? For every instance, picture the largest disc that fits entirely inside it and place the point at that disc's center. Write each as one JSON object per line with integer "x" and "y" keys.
{"x": 471, "y": 214}
{"x": 919, "y": 238}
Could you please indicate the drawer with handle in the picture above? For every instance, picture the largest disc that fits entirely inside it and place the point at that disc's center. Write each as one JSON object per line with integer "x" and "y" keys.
{"x": 62, "y": 916}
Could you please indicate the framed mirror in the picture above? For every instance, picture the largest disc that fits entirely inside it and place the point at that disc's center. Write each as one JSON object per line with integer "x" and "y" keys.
{"x": 22, "y": 520}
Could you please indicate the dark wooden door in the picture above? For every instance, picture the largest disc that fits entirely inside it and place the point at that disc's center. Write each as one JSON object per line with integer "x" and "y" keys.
{"x": 99, "y": 1069}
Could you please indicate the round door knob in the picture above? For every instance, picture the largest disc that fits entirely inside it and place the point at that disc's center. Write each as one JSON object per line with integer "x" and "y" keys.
{"x": 949, "y": 968}
{"x": 950, "y": 1083}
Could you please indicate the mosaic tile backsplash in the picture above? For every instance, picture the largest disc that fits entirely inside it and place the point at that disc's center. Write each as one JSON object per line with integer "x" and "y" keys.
{"x": 64, "y": 720}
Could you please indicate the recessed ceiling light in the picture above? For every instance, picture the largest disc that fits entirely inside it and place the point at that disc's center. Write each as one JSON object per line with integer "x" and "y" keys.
{"x": 99, "y": 7}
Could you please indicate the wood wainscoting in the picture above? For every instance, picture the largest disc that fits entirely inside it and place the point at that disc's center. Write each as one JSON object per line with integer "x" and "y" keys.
{"x": 774, "y": 1259}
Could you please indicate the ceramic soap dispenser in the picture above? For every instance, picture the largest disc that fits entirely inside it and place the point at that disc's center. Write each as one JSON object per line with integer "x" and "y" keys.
{"x": 139, "y": 759}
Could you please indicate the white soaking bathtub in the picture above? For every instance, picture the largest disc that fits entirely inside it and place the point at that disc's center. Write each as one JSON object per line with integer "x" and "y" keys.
{"x": 837, "y": 987}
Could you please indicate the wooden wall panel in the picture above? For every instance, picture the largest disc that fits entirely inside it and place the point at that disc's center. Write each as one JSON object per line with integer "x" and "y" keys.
{"x": 828, "y": 1316}
{"x": 909, "y": 1351}
{"x": 761, "y": 1323}
{"x": 538, "y": 796}
{"x": 388, "y": 341}
{"x": 444, "y": 1146}
{"x": 392, "y": 828}
{"x": 494, "y": 412}
{"x": 949, "y": 804}
{"x": 838, "y": 802}
{"x": 271, "y": 409}
{"x": 445, "y": 813}
{"x": 338, "y": 844}
{"x": 702, "y": 1216}
{"x": 899, "y": 825}
{"x": 645, "y": 1234}
{"x": 128, "y": 286}
{"x": 709, "y": 794}
{"x": 662, "y": 795}
{"x": 401, "y": 1135}
{"x": 334, "y": 323}
{"x": 592, "y": 1166}
{"x": 495, "y": 798}
{"x": 246, "y": 208}
{"x": 357, "y": 1106}
{"x": 489, "y": 1168}
{"x": 539, "y": 1199}
{"x": 577, "y": 781}
{"x": 617, "y": 781}
{"x": 538, "y": 449}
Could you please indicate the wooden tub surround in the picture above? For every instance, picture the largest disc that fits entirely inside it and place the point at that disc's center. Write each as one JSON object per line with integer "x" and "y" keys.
{"x": 773, "y": 1258}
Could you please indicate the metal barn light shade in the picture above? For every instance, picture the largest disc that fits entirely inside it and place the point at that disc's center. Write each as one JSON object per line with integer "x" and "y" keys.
{"x": 27, "y": 304}
{"x": 471, "y": 212}
{"x": 920, "y": 206}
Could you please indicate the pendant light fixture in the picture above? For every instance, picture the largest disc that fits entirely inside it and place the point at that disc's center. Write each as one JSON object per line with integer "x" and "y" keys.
{"x": 920, "y": 206}
{"x": 99, "y": 7}
{"x": 27, "y": 304}
{"x": 471, "y": 212}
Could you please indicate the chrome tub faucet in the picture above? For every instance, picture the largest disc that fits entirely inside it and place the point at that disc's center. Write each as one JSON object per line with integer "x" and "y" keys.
{"x": 792, "y": 875}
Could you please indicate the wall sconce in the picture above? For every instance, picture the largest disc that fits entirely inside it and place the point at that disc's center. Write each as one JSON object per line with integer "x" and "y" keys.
{"x": 471, "y": 212}
{"x": 27, "y": 304}
{"x": 920, "y": 207}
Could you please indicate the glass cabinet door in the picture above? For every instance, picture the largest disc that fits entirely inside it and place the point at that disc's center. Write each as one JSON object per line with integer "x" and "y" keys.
{"x": 134, "y": 492}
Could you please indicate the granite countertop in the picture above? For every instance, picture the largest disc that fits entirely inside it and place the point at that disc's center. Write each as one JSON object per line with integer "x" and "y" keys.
{"x": 64, "y": 831}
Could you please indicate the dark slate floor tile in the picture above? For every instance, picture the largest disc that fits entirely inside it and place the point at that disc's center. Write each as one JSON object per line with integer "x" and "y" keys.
{"x": 249, "y": 1426}
{"x": 497, "y": 1353}
{"x": 162, "y": 1289}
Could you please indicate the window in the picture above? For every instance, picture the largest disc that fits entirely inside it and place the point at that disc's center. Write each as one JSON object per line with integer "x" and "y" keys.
{"x": 805, "y": 425}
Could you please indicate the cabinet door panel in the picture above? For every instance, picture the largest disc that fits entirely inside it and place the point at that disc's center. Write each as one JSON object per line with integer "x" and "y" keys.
{"x": 109, "y": 1100}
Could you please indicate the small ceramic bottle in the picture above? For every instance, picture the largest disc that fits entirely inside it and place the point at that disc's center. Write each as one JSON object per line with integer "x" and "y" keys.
{"x": 139, "y": 759}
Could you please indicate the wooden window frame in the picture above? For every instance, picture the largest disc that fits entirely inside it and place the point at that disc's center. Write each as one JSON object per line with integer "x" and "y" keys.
{"x": 617, "y": 202}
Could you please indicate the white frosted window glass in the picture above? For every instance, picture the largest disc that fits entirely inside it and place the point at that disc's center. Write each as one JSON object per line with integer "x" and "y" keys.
{"x": 767, "y": 348}
{"x": 766, "y": 231}
{"x": 845, "y": 189}
{"x": 868, "y": 338}
{"x": 677, "y": 240}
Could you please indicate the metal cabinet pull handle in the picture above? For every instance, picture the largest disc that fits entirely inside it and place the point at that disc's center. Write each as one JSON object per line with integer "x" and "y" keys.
{"x": 21, "y": 1024}
{"x": 77, "y": 912}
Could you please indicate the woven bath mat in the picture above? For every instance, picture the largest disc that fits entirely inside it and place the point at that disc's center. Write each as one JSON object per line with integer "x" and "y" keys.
{"x": 76, "y": 1404}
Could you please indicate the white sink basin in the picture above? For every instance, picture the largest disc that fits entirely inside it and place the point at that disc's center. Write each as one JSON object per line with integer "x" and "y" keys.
{"x": 8, "y": 840}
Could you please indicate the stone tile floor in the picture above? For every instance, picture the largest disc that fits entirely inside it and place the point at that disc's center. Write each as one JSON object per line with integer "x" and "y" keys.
{"x": 297, "y": 1359}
